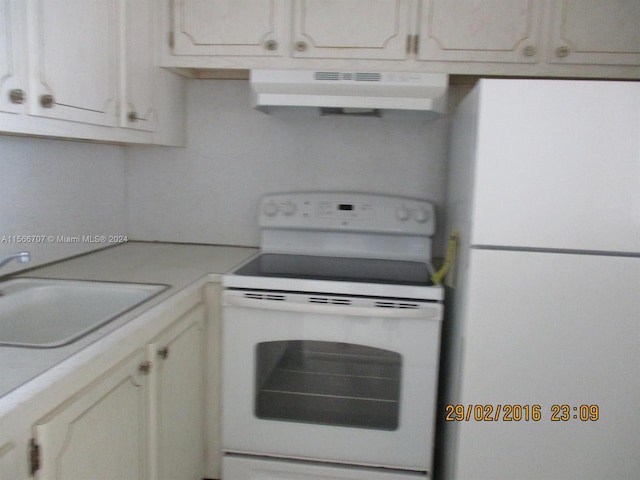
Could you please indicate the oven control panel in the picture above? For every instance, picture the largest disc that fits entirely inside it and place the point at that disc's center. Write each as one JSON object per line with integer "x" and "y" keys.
{"x": 347, "y": 212}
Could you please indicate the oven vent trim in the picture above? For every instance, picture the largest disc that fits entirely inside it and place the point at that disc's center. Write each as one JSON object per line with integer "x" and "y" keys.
{"x": 396, "y": 304}
{"x": 265, "y": 296}
{"x": 348, "y": 76}
{"x": 329, "y": 300}
{"x": 319, "y": 300}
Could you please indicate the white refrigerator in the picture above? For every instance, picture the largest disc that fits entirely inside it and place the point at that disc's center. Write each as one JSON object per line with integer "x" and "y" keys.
{"x": 541, "y": 365}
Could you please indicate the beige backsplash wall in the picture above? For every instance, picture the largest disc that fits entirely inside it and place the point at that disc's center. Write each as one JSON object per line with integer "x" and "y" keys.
{"x": 57, "y": 197}
{"x": 208, "y": 191}
{"x": 59, "y": 192}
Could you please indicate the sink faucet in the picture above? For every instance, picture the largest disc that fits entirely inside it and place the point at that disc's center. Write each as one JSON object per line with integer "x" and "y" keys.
{"x": 22, "y": 257}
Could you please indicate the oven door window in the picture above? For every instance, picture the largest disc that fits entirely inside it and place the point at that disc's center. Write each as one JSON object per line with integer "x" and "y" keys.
{"x": 328, "y": 383}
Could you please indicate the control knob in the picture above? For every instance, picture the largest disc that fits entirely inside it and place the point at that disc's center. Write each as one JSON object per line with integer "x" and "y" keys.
{"x": 270, "y": 209}
{"x": 402, "y": 213}
{"x": 289, "y": 208}
{"x": 421, "y": 215}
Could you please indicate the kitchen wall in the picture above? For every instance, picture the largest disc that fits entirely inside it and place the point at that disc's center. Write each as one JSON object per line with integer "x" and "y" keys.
{"x": 61, "y": 191}
{"x": 208, "y": 191}
{"x": 54, "y": 192}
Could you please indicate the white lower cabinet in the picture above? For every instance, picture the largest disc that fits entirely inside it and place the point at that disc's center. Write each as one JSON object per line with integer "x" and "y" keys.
{"x": 237, "y": 467}
{"x": 213, "y": 384}
{"x": 180, "y": 399}
{"x": 141, "y": 420}
{"x": 8, "y": 461}
{"x": 101, "y": 432}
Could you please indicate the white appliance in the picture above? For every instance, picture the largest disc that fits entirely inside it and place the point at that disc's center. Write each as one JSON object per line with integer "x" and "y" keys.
{"x": 543, "y": 328}
{"x": 425, "y": 92}
{"x": 331, "y": 341}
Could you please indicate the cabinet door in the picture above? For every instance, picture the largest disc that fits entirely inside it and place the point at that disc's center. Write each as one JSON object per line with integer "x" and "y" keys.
{"x": 352, "y": 29}
{"x": 550, "y": 172}
{"x": 138, "y": 67}
{"x": 549, "y": 329}
{"x": 12, "y": 79}
{"x": 180, "y": 402}
{"x": 8, "y": 461}
{"x": 596, "y": 32}
{"x": 75, "y": 60}
{"x": 213, "y": 385}
{"x": 480, "y": 30}
{"x": 101, "y": 431}
{"x": 230, "y": 27}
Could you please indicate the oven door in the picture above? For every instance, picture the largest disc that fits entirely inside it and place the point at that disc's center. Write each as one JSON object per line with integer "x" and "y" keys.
{"x": 330, "y": 378}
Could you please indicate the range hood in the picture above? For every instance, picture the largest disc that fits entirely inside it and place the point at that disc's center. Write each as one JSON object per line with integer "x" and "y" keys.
{"x": 350, "y": 91}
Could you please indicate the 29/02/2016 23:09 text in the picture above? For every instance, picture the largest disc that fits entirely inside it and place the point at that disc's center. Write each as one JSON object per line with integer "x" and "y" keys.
{"x": 517, "y": 413}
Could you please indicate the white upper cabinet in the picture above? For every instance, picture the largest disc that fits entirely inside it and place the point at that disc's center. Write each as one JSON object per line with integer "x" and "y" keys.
{"x": 86, "y": 69}
{"x": 536, "y": 38}
{"x": 230, "y": 27}
{"x": 361, "y": 29}
{"x": 137, "y": 67}
{"x": 12, "y": 65}
{"x": 75, "y": 67}
{"x": 596, "y": 32}
{"x": 480, "y": 30}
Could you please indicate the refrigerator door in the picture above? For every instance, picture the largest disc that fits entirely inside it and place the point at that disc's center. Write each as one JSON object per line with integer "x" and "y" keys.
{"x": 549, "y": 367}
{"x": 557, "y": 165}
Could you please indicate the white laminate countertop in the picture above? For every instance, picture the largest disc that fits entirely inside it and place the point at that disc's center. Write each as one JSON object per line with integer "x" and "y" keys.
{"x": 24, "y": 370}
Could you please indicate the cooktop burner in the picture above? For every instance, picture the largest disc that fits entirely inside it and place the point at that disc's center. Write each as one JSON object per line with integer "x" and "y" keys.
{"x": 346, "y": 269}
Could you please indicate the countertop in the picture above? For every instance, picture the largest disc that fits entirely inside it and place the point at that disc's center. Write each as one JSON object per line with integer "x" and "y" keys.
{"x": 25, "y": 372}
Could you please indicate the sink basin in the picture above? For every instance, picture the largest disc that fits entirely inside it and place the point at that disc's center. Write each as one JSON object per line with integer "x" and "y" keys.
{"x": 43, "y": 313}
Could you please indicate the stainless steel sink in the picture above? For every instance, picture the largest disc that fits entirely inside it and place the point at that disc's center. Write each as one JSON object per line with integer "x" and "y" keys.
{"x": 43, "y": 313}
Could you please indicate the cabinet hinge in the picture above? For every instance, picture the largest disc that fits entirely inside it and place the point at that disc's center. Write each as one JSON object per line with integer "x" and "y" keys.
{"x": 416, "y": 44}
{"x": 34, "y": 457}
{"x": 171, "y": 39}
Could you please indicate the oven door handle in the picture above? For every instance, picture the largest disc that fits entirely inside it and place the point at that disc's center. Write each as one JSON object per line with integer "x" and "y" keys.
{"x": 428, "y": 312}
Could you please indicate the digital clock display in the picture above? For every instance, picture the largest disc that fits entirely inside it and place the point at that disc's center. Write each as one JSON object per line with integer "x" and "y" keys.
{"x": 345, "y": 207}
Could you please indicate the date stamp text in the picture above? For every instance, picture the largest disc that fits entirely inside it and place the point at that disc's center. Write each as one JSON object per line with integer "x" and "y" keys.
{"x": 521, "y": 413}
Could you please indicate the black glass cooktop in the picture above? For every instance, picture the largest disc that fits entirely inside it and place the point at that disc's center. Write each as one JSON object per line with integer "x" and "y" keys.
{"x": 310, "y": 267}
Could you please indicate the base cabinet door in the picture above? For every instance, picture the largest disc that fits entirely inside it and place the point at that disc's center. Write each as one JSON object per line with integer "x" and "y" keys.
{"x": 8, "y": 461}
{"x": 101, "y": 432}
{"x": 180, "y": 398}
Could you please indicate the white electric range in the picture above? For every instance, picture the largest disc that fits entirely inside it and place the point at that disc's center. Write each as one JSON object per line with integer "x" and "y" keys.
{"x": 331, "y": 338}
